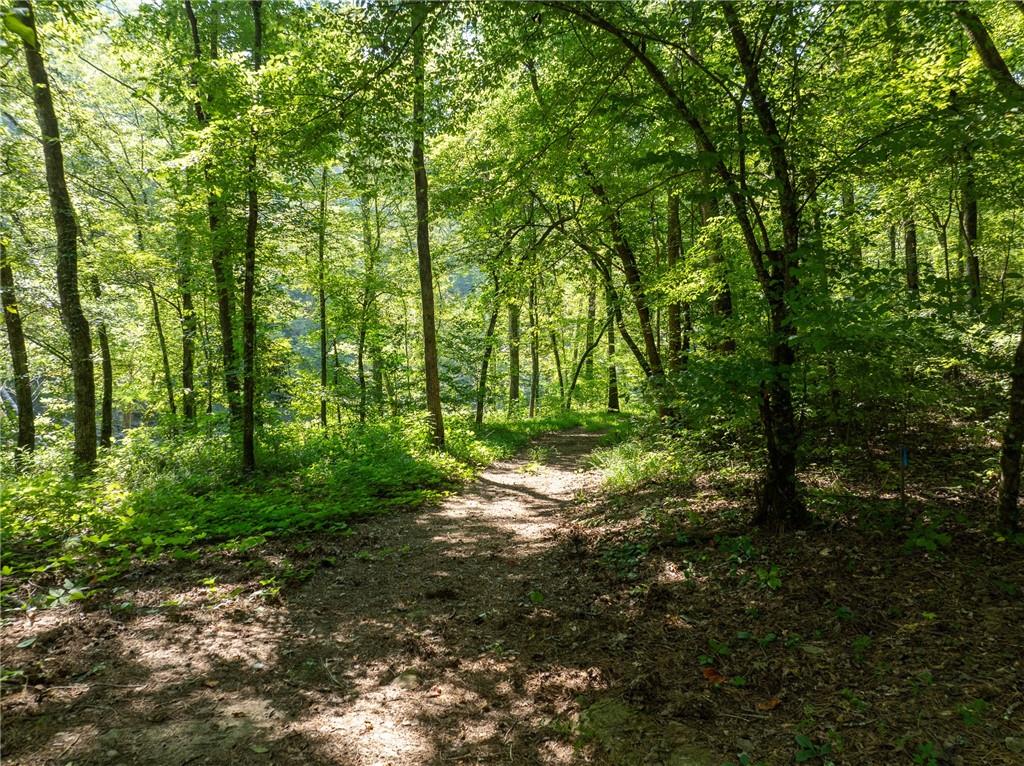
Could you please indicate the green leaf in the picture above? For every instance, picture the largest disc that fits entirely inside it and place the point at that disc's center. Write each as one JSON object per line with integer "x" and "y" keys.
{"x": 20, "y": 28}
{"x": 25, "y": 643}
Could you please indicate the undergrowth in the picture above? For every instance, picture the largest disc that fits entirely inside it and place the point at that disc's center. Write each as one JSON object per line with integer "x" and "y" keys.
{"x": 156, "y": 495}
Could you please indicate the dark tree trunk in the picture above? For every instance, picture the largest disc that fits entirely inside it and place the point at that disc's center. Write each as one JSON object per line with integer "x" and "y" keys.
{"x": 586, "y": 357}
{"x": 249, "y": 273}
{"x": 892, "y": 245}
{"x": 107, "y": 369}
{"x": 361, "y": 366}
{"x": 19, "y": 359}
{"x": 66, "y": 227}
{"x": 189, "y": 331}
{"x": 613, "y": 377}
{"x": 588, "y": 370}
{"x": 673, "y": 254}
{"x": 513, "y": 356}
{"x": 220, "y": 249}
{"x": 162, "y": 341}
{"x": 558, "y": 368}
{"x": 969, "y": 223}
{"x": 721, "y": 305}
{"x": 337, "y": 378}
{"x": 910, "y": 255}
{"x": 322, "y": 296}
{"x": 481, "y": 389}
{"x": 534, "y": 352}
{"x": 433, "y": 382}
{"x": 1009, "y": 460}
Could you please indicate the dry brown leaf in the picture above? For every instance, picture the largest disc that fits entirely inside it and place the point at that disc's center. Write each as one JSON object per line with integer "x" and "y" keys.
{"x": 769, "y": 704}
{"x": 712, "y": 676}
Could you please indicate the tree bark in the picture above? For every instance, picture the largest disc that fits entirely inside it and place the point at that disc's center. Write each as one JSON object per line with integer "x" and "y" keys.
{"x": 1013, "y": 435}
{"x": 249, "y": 273}
{"x": 189, "y": 331}
{"x": 534, "y": 352}
{"x": 990, "y": 57}
{"x": 107, "y": 368}
{"x": 66, "y": 227}
{"x": 672, "y": 256}
{"x": 910, "y": 255}
{"x": 19, "y": 360}
{"x": 166, "y": 363}
{"x": 513, "y": 356}
{"x": 588, "y": 370}
{"x": 322, "y": 295}
{"x": 613, "y": 377}
{"x": 853, "y": 246}
{"x": 969, "y": 224}
{"x": 220, "y": 249}
{"x": 481, "y": 389}
{"x": 430, "y": 368}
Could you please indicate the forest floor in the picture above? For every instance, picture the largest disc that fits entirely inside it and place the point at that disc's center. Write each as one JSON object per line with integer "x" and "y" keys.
{"x": 534, "y": 618}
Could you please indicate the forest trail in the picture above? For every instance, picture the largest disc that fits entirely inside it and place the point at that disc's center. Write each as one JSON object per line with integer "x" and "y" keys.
{"x": 462, "y": 633}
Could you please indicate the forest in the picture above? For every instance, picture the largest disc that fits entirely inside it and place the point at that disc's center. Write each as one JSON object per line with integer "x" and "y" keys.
{"x": 539, "y": 382}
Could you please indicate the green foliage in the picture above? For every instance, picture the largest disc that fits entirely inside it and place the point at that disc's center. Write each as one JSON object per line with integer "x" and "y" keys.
{"x": 158, "y": 495}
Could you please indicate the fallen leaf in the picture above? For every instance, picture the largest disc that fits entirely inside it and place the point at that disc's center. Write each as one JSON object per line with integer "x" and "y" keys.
{"x": 769, "y": 704}
{"x": 712, "y": 676}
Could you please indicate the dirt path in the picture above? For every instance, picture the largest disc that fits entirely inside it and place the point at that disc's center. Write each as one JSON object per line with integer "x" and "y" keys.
{"x": 453, "y": 635}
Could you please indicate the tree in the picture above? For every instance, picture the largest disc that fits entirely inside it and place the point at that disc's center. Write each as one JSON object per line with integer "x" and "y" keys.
{"x": 19, "y": 360}
{"x": 66, "y": 225}
{"x": 430, "y": 369}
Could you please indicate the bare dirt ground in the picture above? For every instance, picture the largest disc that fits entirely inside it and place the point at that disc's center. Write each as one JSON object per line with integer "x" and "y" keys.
{"x": 532, "y": 619}
{"x": 433, "y": 637}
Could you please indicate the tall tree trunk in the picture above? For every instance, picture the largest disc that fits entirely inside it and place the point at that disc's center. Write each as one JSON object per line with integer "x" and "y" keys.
{"x": 558, "y": 368}
{"x": 361, "y": 365}
{"x": 481, "y": 388}
{"x": 165, "y": 360}
{"x": 588, "y": 370}
{"x": 433, "y": 382}
{"x": 892, "y": 245}
{"x": 322, "y": 295}
{"x": 66, "y": 227}
{"x": 534, "y": 352}
{"x": 189, "y": 331}
{"x": 220, "y": 247}
{"x": 584, "y": 358}
{"x": 249, "y": 274}
{"x": 19, "y": 360}
{"x": 673, "y": 253}
{"x": 1013, "y": 435}
{"x": 910, "y": 255}
{"x": 513, "y": 356}
{"x": 107, "y": 368}
{"x": 613, "y": 377}
{"x": 337, "y": 378}
{"x": 969, "y": 223}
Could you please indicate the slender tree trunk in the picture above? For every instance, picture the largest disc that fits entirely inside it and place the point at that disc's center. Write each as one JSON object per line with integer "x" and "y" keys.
{"x": 249, "y": 278}
{"x": 1013, "y": 435}
{"x": 969, "y": 223}
{"x": 188, "y": 332}
{"x": 613, "y": 377}
{"x": 558, "y": 368}
{"x": 337, "y": 378}
{"x": 673, "y": 254}
{"x": 361, "y": 366}
{"x": 19, "y": 359}
{"x": 534, "y": 352}
{"x": 481, "y": 389}
{"x": 433, "y": 382}
{"x": 107, "y": 368}
{"x": 588, "y": 355}
{"x": 892, "y": 245}
{"x": 910, "y": 255}
{"x": 165, "y": 360}
{"x": 322, "y": 296}
{"x": 588, "y": 370}
{"x": 66, "y": 227}
{"x": 513, "y": 356}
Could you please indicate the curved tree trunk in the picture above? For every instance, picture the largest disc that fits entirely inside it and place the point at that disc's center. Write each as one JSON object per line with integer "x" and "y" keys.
{"x": 107, "y": 367}
{"x": 67, "y": 248}
{"x": 19, "y": 360}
